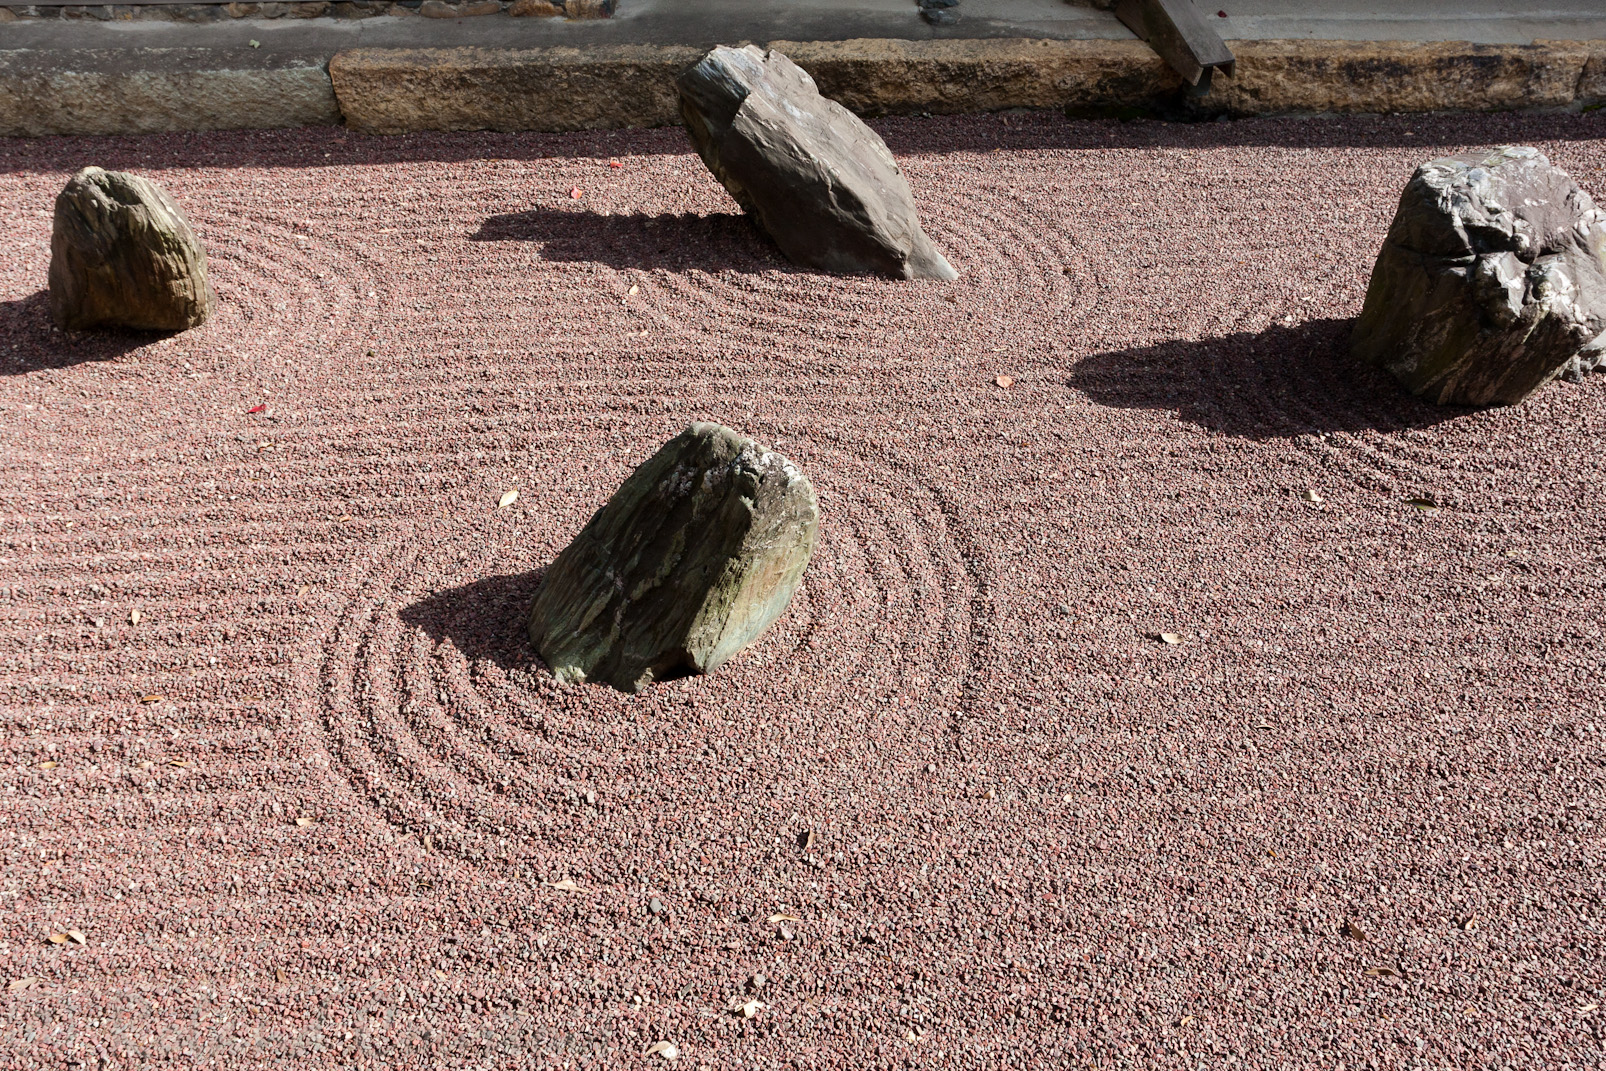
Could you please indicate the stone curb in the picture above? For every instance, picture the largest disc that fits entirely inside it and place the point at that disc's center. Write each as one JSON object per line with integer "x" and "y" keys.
{"x": 146, "y": 91}
{"x": 397, "y": 91}
{"x": 567, "y": 89}
{"x": 391, "y": 91}
{"x": 1395, "y": 76}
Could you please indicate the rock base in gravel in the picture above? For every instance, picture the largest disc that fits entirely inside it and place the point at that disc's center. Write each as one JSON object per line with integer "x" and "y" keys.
{"x": 821, "y": 183}
{"x": 1491, "y": 282}
{"x": 122, "y": 255}
{"x": 689, "y": 562}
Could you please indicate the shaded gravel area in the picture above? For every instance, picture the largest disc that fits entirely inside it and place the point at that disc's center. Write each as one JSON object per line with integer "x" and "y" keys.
{"x": 319, "y": 806}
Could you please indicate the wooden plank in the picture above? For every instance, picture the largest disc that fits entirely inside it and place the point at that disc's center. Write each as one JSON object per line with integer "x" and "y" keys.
{"x": 1180, "y": 35}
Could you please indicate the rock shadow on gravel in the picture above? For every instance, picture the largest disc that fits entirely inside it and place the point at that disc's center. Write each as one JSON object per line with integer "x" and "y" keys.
{"x": 1279, "y": 383}
{"x": 488, "y": 619}
{"x": 31, "y": 342}
{"x": 723, "y": 241}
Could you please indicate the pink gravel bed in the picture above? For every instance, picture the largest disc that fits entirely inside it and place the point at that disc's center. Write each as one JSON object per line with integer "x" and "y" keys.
{"x": 322, "y": 807}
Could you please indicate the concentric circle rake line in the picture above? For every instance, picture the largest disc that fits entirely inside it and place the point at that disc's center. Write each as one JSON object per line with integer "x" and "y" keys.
{"x": 924, "y": 587}
{"x": 980, "y": 619}
{"x": 1022, "y": 253}
{"x": 269, "y": 277}
{"x": 443, "y": 740}
{"x": 756, "y": 313}
{"x": 849, "y": 538}
{"x": 480, "y": 769}
{"x": 913, "y": 599}
{"x": 1327, "y": 414}
{"x": 437, "y": 772}
{"x": 360, "y": 734}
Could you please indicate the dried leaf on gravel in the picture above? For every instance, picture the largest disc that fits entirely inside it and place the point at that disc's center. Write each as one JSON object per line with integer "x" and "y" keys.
{"x": 1468, "y": 923}
{"x": 49, "y": 764}
{"x": 179, "y": 762}
{"x": 133, "y": 617}
{"x": 305, "y": 821}
{"x": 150, "y": 699}
{"x": 302, "y": 590}
{"x": 1169, "y": 638}
{"x": 634, "y": 290}
{"x": 1313, "y": 497}
{"x": 563, "y": 886}
{"x": 783, "y": 918}
{"x": 22, "y": 985}
{"x": 806, "y": 839}
{"x": 1004, "y": 381}
{"x": 666, "y": 1049}
{"x": 57, "y": 938}
{"x": 278, "y": 973}
{"x": 1426, "y": 505}
{"x": 1381, "y": 972}
{"x": 78, "y": 937}
{"x": 750, "y": 1008}
{"x": 1186, "y": 1019}
{"x": 1352, "y": 931}
{"x": 507, "y": 499}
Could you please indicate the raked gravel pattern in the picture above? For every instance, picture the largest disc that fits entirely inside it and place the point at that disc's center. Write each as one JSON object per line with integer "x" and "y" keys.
{"x": 320, "y": 806}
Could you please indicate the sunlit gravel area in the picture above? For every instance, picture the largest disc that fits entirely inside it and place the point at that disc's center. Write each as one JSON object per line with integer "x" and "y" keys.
{"x": 282, "y": 783}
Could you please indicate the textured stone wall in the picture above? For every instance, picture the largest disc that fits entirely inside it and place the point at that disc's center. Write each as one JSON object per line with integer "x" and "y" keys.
{"x": 312, "y": 9}
{"x": 566, "y": 88}
{"x": 386, "y": 91}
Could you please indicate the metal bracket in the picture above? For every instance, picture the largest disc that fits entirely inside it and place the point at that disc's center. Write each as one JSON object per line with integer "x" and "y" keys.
{"x": 1180, "y": 36}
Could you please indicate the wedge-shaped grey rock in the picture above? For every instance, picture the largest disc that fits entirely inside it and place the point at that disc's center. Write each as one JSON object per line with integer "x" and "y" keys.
{"x": 1491, "y": 282}
{"x": 689, "y": 562}
{"x": 819, "y": 181}
{"x": 122, "y": 255}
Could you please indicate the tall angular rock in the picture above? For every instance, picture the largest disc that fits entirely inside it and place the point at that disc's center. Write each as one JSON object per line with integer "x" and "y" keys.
{"x": 819, "y": 181}
{"x": 1491, "y": 282}
{"x": 122, "y": 255}
{"x": 689, "y": 562}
